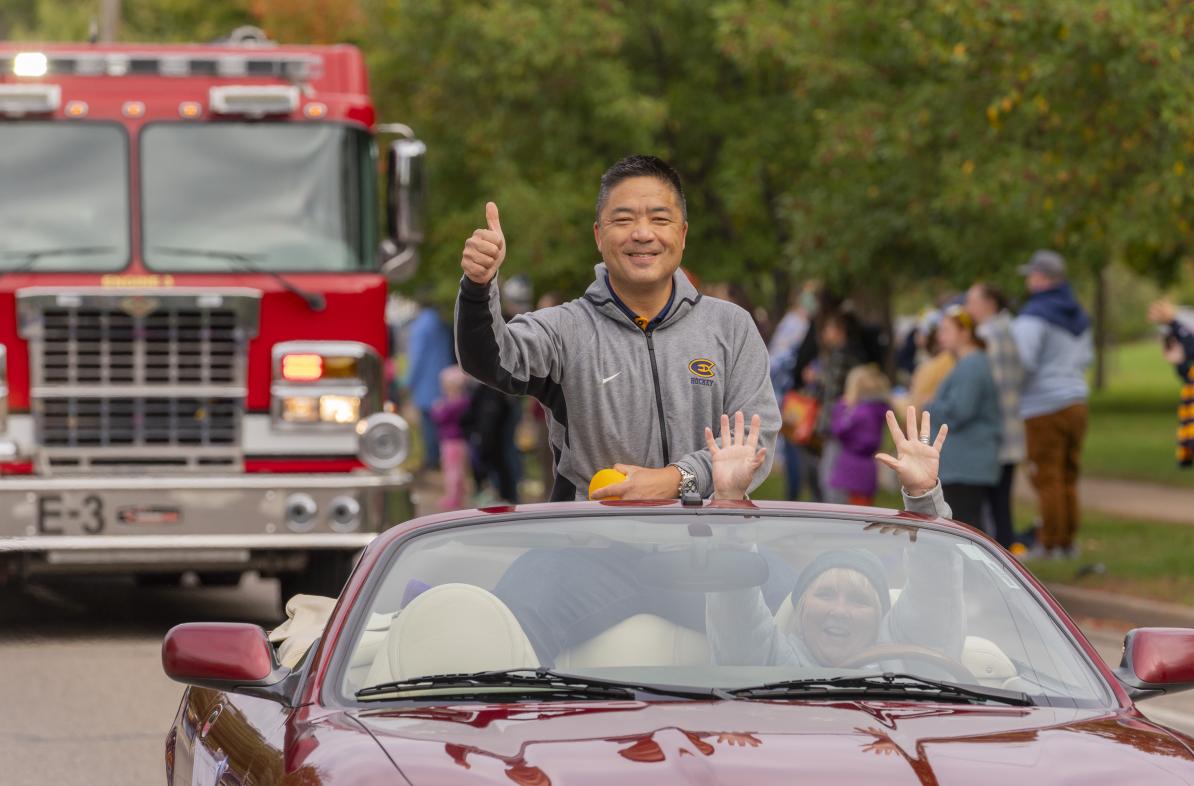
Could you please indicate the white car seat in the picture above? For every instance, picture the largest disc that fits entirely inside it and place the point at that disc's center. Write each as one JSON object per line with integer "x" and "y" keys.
{"x": 641, "y": 640}
{"x": 452, "y": 629}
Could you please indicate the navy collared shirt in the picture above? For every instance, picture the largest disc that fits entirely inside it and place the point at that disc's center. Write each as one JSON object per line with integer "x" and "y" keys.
{"x": 635, "y": 318}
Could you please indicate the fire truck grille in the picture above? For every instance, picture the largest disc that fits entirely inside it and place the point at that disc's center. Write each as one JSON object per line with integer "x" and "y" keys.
{"x": 137, "y": 381}
{"x": 110, "y": 347}
{"x": 124, "y": 422}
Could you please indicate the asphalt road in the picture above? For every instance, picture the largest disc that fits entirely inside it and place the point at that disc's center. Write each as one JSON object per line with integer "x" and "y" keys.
{"x": 83, "y": 699}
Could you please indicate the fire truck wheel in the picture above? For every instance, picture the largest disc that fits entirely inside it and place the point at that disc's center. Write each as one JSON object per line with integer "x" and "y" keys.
{"x": 220, "y": 579}
{"x": 325, "y": 575}
{"x": 158, "y": 579}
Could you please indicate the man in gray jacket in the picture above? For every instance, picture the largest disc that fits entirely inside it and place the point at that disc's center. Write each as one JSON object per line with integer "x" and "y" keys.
{"x": 632, "y": 373}
{"x": 1053, "y": 336}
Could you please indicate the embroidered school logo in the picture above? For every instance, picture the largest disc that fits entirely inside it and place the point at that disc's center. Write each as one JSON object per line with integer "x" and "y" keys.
{"x": 702, "y": 371}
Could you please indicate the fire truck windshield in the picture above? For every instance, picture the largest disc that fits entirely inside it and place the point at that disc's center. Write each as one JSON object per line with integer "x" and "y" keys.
{"x": 64, "y": 196}
{"x": 291, "y": 197}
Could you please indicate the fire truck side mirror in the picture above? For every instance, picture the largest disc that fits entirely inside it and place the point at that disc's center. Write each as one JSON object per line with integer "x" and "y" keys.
{"x": 404, "y": 207}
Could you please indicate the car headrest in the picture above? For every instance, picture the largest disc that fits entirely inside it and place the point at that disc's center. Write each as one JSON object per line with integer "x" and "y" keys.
{"x": 454, "y": 629}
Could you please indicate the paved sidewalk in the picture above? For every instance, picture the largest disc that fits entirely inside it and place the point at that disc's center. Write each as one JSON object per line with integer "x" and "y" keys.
{"x": 1128, "y": 498}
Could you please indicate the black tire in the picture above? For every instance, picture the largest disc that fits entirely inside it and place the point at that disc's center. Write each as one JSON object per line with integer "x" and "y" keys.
{"x": 325, "y": 575}
{"x": 229, "y": 578}
{"x": 157, "y": 579}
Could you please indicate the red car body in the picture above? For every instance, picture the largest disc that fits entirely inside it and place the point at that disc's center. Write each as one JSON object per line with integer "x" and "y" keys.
{"x": 225, "y": 737}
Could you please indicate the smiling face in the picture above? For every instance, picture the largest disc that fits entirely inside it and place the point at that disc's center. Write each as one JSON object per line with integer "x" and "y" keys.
{"x": 640, "y": 234}
{"x": 839, "y": 615}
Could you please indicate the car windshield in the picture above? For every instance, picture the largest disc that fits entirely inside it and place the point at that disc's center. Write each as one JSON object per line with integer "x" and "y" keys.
{"x": 714, "y": 600}
{"x": 64, "y": 196}
{"x": 284, "y": 197}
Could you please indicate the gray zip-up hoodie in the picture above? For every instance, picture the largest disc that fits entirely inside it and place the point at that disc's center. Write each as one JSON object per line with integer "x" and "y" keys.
{"x": 618, "y": 393}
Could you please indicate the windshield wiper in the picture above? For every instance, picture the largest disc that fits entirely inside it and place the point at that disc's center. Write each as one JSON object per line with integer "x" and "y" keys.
{"x": 314, "y": 300}
{"x": 33, "y": 257}
{"x": 536, "y": 680}
{"x": 887, "y": 685}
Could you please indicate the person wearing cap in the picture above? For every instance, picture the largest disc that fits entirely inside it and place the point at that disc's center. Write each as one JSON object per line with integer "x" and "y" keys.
{"x": 631, "y": 372}
{"x": 1053, "y": 336}
{"x": 841, "y": 599}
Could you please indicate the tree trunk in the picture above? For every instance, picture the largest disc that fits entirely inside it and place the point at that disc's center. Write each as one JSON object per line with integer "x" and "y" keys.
{"x": 1100, "y": 328}
{"x": 109, "y": 22}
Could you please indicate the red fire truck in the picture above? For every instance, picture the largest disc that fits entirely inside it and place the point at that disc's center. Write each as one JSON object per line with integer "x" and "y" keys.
{"x": 192, "y": 295}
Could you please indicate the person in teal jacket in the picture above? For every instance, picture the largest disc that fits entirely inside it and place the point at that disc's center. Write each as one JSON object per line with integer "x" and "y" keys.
{"x": 968, "y": 402}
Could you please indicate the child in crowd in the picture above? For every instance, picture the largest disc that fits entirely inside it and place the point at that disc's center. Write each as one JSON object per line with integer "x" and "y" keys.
{"x": 448, "y": 413}
{"x": 857, "y": 423}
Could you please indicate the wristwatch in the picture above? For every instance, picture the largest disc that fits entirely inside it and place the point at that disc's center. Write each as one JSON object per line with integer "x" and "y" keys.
{"x": 687, "y": 481}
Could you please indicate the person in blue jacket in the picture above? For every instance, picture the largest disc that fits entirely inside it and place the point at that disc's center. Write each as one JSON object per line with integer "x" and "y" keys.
{"x": 1053, "y": 335}
{"x": 430, "y": 351}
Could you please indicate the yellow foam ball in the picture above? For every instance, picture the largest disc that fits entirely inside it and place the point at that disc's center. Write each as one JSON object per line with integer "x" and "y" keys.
{"x": 603, "y": 478}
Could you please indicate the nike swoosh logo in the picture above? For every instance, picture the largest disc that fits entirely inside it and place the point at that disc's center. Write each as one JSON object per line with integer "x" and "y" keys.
{"x": 607, "y": 379}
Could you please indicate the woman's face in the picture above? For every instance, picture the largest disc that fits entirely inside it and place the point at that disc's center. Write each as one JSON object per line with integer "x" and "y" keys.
{"x": 949, "y": 335}
{"x": 840, "y": 617}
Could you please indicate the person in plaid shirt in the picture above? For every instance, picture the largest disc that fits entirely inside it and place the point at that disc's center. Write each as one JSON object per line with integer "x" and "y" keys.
{"x": 989, "y": 308}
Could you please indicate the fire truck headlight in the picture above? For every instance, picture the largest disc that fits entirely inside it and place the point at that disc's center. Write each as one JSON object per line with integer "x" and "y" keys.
{"x": 30, "y": 64}
{"x": 384, "y": 440}
{"x": 339, "y": 409}
{"x": 300, "y": 409}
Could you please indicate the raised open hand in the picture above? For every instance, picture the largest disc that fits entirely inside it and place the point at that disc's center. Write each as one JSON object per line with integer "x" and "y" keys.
{"x": 917, "y": 462}
{"x": 1161, "y": 311}
{"x": 738, "y": 457}
{"x": 485, "y": 251}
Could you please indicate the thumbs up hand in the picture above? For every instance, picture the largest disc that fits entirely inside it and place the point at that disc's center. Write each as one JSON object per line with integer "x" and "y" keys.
{"x": 485, "y": 251}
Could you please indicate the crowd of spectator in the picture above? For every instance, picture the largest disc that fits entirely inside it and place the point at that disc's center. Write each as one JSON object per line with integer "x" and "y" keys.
{"x": 1011, "y": 388}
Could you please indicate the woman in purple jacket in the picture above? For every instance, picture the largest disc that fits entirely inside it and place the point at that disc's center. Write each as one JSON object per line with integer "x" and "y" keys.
{"x": 448, "y": 413}
{"x": 857, "y": 422}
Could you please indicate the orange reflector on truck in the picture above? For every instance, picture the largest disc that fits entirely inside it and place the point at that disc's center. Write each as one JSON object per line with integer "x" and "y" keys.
{"x": 306, "y": 367}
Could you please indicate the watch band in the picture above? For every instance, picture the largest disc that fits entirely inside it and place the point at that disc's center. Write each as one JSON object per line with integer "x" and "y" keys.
{"x": 687, "y": 480}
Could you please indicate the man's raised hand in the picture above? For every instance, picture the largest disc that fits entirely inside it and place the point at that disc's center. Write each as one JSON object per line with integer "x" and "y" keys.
{"x": 485, "y": 251}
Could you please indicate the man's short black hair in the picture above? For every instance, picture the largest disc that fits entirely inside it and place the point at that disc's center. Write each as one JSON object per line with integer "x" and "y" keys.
{"x": 640, "y": 166}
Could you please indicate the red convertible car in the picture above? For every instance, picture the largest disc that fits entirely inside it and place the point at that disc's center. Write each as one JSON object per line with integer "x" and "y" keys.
{"x": 719, "y": 643}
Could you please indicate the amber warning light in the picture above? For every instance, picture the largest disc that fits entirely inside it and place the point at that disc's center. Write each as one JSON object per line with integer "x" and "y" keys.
{"x": 305, "y": 367}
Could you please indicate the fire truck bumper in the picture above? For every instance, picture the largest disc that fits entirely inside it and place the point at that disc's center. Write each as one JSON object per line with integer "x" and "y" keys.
{"x": 267, "y": 522}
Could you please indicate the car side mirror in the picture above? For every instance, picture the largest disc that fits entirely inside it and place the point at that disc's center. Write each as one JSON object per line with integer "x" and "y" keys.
{"x": 228, "y": 656}
{"x": 405, "y": 208}
{"x": 1157, "y": 661}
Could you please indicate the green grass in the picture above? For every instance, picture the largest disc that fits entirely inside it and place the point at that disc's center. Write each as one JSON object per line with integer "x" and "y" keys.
{"x": 1142, "y": 559}
{"x": 1132, "y": 421}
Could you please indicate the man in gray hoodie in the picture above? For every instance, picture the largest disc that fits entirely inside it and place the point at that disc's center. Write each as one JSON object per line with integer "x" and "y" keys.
{"x": 632, "y": 373}
{"x": 1053, "y": 336}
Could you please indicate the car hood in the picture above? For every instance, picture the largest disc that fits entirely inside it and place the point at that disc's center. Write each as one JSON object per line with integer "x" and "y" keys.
{"x": 768, "y": 742}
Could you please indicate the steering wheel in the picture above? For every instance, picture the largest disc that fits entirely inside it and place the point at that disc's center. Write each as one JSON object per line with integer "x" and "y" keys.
{"x": 882, "y": 652}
